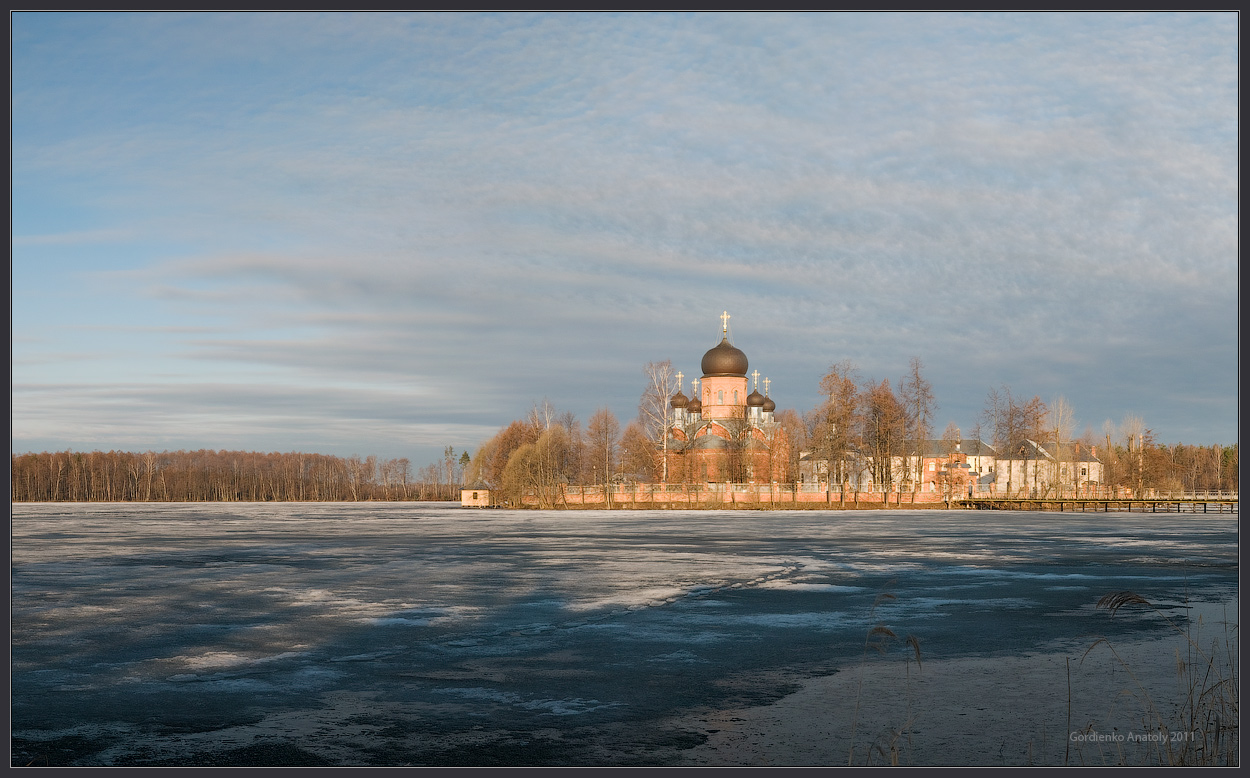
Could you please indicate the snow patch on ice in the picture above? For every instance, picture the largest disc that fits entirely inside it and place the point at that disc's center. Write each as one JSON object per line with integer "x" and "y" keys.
{"x": 214, "y": 659}
{"x": 808, "y": 587}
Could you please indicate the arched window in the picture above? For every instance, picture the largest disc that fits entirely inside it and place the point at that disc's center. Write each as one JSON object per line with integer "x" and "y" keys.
{"x": 735, "y": 397}
{"x": 720, "y": 397}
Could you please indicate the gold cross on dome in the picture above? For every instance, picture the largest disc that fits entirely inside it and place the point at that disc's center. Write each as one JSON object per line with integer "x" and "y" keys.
{"x": 679, "y": 377}
{"x": 724, "y": 321}
{"x": 756, "y": 376}
{"x": 766, "y": 382}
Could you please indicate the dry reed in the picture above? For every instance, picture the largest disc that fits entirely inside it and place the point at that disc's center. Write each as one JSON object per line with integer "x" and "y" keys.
{"x": 878, "y": 638}
{"x": 1203, "y": 728}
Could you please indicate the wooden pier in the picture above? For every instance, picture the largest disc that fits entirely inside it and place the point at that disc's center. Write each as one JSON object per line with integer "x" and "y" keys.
{"x": 1191, "y": 502}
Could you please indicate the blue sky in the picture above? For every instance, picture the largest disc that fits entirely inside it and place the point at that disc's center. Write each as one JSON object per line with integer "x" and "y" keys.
{"x": 385, "y": 234}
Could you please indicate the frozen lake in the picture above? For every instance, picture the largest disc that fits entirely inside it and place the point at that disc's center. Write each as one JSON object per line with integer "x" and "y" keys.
{"x": 427, "y": 634}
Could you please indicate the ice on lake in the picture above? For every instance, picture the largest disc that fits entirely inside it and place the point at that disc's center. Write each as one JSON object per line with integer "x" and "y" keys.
{"x": 401, "y": 633}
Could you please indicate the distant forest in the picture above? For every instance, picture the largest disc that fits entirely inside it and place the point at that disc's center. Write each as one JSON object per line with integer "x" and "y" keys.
{"x": 228, "y": 476}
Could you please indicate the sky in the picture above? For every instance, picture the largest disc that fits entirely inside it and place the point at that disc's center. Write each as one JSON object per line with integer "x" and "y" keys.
{"x": 375, "y": 234}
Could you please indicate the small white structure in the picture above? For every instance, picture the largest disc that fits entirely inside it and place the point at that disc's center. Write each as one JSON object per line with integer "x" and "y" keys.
{"x": 475, "y": 497}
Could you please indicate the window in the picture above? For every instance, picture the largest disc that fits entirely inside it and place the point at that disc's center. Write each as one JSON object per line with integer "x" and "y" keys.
{"x": 720, "y": 397}
{"x": 735, "y": 397}
{"x": 932, "y": 466}
{"x": 475, "y": 495}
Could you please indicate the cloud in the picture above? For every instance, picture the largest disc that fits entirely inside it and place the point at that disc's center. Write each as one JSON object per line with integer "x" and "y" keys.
{"x": 517, "y": 206}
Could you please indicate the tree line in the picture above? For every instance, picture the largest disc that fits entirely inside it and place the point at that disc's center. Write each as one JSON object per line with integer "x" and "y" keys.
{"x": 861, "y": 425}
{"x": 228, "y": 476}
{"x": 549, "y": 448}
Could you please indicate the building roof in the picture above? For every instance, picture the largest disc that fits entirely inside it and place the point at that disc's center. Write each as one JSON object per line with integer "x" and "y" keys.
{"x": 941, "y": 448}
{"x": 724, "y": 359}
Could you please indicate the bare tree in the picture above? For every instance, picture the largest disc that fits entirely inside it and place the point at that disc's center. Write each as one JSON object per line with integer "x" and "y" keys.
{"x": 603, "y": 433}
{"x": 542, "y": 415}
{"x": 836, "y": 426}
{"x": 884, "y": 424}
{"x": 495, "y": 453}
{"x": 1005, "y": 417}
{"x": 653, "y": 407}
{"x": 1133, "y": 433}
{"x": 575, "y": 453}
{"x": 1060, "y": 423}
{"x": 1033, "y": 416}
{"x": 786, "y": 462}
{"x": 916, "y": 396}
{"x": 950, "y": 437}
{"x": 638, "y": 455}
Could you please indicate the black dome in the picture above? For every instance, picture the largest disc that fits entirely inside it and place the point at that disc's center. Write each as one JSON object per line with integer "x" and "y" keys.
{"x": 679, "y": 400}
{"x": 694, "y": 406}
{"x": 755, "y": 399}
{"x": 769, "y": 405}
{"x": 724, "y": 359}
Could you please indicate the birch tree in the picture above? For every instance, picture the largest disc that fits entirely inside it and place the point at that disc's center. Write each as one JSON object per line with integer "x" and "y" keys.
{"x": 1060, "y": 424}
{"x": 653, "y": 405}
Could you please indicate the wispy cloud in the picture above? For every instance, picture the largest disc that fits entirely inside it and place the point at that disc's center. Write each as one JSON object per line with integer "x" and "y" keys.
{"x": 516, "y": 206}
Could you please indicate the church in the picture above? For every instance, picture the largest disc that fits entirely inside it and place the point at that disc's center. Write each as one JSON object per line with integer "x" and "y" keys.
{"x": 722, "y": 433}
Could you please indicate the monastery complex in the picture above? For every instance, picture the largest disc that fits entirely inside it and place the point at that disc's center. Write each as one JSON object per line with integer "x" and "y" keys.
{"x": 722, "y": 446}
{"x": 721, "y": 433}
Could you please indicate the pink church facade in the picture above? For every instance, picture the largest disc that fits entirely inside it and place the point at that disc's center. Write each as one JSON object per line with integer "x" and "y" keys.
{"x": 725, "y": 431}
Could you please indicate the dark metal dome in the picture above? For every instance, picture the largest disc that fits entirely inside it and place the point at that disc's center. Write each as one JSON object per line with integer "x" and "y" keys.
{"x": 694, "y": 406}
{"x": 769, "y": 405}
{"x": 724, "y": 359}
{"x": 755, "y": 399}
{"x": 679, "y": 400}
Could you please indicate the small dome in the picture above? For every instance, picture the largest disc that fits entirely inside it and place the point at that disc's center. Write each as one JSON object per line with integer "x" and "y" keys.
{"x": 679, "y": 400}
{"x": 694, "y": 406}
{"x": 724, "y": 359}
{"x": 755, "y": 399}
{"x": 769, "y": 405}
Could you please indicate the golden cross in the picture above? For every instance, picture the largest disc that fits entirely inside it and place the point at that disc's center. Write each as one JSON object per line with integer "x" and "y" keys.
{"x": 766, "y": 382}
{"x": 694, "y": 384}
{"x": 679, "y": 377}
{"x": 756, "y": 376}
{"x": 724, "y": 320}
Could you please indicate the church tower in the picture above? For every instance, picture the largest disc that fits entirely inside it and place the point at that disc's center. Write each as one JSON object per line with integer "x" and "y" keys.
{"x": 724, "y": 378}
{"x": 722, "y": 433}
